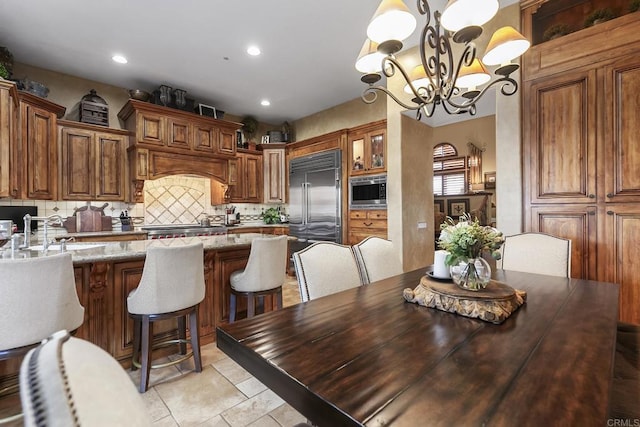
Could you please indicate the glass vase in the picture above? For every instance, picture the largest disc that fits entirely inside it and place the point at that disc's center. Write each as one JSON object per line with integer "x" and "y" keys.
{"x": 472, "y": 275}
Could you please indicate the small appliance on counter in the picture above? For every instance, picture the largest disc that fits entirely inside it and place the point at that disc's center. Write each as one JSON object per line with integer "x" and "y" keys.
{"x": 231, "y": 217}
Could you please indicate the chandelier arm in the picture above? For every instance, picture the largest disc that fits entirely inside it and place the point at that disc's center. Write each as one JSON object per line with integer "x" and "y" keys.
{"x": 389, "y": 66}
{"x": 424, "y": 9}
{"x": 508, "y": 88}
{"x": 467, "y": 57}
{"x": 369, "y": 90}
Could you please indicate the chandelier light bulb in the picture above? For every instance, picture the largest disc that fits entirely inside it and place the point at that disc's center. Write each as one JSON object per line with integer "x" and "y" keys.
{"x": 369, "y": 60}
{"x": 392, "y": 21}
{"x": 459, "y": 14}
{"x": 505, "y": 45}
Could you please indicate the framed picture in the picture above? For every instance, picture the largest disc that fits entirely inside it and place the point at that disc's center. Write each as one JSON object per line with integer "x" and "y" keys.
{"x": 440, "y": 205}
{"x": 489, "y": 180}
{"x": 207, "y": 110}
{"x": 457, "y": 207}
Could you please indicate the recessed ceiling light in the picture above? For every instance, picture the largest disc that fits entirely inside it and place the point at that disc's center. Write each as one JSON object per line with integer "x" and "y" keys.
{"x": 253, "y": 50}
{"x": 119, "y": 59}
{"x": 265, "y": 103}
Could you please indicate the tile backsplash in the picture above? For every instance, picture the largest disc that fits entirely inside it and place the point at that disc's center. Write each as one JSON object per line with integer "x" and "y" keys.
{"x": 178, "y": 199}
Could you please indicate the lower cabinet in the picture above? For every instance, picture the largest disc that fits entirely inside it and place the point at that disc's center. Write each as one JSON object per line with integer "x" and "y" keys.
{"x": 365, "y": 223}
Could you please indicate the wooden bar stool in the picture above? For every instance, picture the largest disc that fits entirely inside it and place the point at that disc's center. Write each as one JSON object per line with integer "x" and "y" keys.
{"x": 264, "y": 274}
{"x": 172, "y": 286}
{"x": 37, "y": 298}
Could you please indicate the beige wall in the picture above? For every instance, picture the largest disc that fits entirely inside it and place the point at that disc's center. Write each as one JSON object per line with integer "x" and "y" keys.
{"x": 343, "y": 116}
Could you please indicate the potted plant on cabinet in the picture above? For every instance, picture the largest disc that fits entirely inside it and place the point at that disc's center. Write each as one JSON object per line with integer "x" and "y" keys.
{"x": 598, "y": 16}
{"x": 555, "y": 31}
{"x": 249, "y": 127}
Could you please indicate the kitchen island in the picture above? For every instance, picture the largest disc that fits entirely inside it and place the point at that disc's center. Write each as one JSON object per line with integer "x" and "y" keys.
{"x": 105, "y": 274}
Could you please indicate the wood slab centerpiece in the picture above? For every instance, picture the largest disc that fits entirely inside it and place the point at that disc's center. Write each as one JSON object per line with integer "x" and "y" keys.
{"x": 494, "y": 304}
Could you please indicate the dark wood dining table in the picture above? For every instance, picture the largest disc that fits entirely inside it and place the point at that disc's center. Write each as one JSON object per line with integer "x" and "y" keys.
{"x": 366, "y": 357}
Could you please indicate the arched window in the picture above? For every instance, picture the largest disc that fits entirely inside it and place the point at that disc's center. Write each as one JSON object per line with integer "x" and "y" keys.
{"x": 449, "y": 170}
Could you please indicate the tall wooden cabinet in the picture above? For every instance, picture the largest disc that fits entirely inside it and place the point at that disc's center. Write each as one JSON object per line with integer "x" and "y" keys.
{"x": 93, "y": 165}
{"x": 274, "y": 175}
{"x": 581, "y": 152}
{"x": 8, "y": 128}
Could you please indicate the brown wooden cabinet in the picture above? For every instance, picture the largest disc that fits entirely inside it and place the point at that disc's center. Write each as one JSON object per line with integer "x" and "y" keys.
{"x": 274, "y": 173}
{"x": 8, "y": 131}
{"x": 368, "y": 148}
{"x": 365, "y": 223}
{"x": 245, "y": 178}
{"x": 580, "y": 150}
{"x": 36, "y": 154}
{"x": 93, "y": 162}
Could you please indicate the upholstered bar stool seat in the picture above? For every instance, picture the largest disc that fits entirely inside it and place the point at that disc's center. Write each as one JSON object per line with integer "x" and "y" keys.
{"x": 172, "y": 286}
{"x": 37, "y": 298}
{"x": 264, "y": 274}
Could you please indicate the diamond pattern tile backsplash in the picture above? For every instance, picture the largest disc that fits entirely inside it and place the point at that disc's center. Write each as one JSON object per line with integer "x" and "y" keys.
{"x": 175, "y": 200}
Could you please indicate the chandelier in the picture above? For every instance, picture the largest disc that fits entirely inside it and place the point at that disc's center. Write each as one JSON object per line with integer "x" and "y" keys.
{"x": 440, "y": 79}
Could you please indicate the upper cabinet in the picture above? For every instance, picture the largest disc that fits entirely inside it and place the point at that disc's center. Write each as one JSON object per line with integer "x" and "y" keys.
{"x": 172, "y": 142}
{"x": 274, "y": 173}
{"x": 245, "y": 178}
{"x": 36, "y": 153}
{"x": 93, "y": 162}
{"x": 368, "y": 149}
{"x": 8, "y": 128}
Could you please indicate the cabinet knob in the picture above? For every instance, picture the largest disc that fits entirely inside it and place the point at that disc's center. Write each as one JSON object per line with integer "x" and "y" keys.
{"x": 609, "y": 195}
{"x": 609, "y": 212}
{"x": 592, "y": 196}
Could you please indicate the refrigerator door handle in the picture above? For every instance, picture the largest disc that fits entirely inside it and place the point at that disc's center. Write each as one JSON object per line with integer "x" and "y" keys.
{"x": 304, "y": 203}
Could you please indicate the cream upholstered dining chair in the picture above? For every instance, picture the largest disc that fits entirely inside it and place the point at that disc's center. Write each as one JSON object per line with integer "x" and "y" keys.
{"x": 537, "y": 253}
{"x": 325, "y": 268}
{"x": 67, "y": 381}
{"x": 264, "y": 274}
{"x": 377, "y": 259}
{"x": 172, "y": 286}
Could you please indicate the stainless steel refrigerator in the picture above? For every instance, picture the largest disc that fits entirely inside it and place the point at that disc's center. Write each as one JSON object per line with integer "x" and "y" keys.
{"x": 315, "y": 199}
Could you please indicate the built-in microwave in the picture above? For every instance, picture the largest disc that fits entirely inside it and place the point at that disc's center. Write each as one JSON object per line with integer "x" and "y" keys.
{"x": 368, "y": 192}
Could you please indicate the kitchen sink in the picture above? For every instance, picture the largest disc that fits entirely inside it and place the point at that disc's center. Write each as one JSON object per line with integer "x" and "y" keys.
{"x": 70, "y": 247}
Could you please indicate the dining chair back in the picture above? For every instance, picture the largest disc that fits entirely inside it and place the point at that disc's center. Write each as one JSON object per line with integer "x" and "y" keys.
{"x": 537, "y": 253}
{"x": 67, "y": 381}
{"x": 325, "y": 268}
{"x": 263, "y": 275}
{"x": 377, "y": 259}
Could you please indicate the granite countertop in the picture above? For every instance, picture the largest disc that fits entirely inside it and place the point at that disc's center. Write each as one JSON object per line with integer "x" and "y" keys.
{"x": 138, "y": 231}
{"x": 117, "y": 251}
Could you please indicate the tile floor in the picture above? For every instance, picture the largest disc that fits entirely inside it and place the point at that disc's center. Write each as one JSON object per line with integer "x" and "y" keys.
{"x": 222, "y": 395}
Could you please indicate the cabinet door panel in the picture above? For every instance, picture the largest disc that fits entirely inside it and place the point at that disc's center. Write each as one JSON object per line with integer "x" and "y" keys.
{"x": 179, "y": 133}
{"x": 110, "y": 172}
{"x": 619, "y": 251}
{"x": 227, "y": 141}
{"x": 622, "y": 126}
{"x": 562, "y": 139}
{"x": 151, "y": 128}
{"x": 577, "y": 223}
{"x": 41, "y": 153}
{"x": 274, "y": 176}
{"x": 377, "y": 152}
{"x": 205, "y": 138}
{"x": 77, "y": 164}
{"x": 253, "y": 178}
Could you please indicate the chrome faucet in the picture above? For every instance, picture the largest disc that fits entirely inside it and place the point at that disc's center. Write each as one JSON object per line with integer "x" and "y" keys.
{"x": 46, "y": 221}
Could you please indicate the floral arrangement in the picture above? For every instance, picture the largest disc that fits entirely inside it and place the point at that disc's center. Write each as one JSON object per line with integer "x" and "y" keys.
{"x": 271, "y": 216}
{"x": 468, "y": 239}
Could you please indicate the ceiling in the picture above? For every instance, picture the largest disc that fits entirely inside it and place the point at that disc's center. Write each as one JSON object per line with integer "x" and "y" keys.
{"x": 308, "y": 48}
